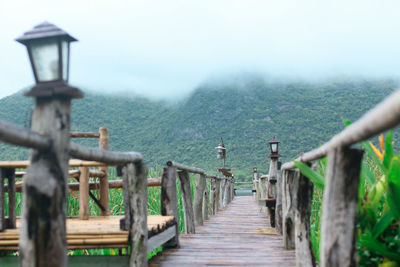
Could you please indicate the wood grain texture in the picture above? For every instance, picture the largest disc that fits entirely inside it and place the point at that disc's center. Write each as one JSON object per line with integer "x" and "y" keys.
{"x": 339, "y": 208}
{"x": 187, "y": 204}
{"x": 304, "y": 254}
{"x": 289, "y": 199}
{"x": 278, "y": 209}
{"x": 84, "y": 193}
{"x": 198, "y": 199}
{"x": 237, "y": 236}
{"x": 169, "y": 200}
{"x": 104, "y": 188}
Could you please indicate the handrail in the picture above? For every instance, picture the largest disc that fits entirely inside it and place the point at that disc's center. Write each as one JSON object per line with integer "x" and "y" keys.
{"x": 184, "y": 167}
{"x": 382, "y": 117}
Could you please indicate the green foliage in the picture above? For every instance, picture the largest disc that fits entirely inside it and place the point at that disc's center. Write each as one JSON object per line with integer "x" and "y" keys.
{"x": 379, "y": 206}
{"x": 247, "y": 113}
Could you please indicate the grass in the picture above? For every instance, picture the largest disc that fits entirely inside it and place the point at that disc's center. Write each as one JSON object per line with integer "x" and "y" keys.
{"x": 117, "y": 208}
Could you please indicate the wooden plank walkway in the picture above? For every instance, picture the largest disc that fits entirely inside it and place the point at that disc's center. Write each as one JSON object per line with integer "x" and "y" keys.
{"x": 240, "y": 235}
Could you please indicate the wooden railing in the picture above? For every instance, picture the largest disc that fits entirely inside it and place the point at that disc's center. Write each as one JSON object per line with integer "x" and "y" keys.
{"x": 339, "y": 207}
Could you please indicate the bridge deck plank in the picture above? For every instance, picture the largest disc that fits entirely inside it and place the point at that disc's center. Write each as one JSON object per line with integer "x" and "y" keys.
{"x": 240, "y": 235}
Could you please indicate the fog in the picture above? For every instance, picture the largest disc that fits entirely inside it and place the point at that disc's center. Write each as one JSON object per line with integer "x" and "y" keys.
{"x": 167, "y": 48}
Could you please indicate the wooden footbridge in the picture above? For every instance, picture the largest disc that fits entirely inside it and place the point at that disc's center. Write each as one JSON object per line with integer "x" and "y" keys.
{"x": 220, "y": 229}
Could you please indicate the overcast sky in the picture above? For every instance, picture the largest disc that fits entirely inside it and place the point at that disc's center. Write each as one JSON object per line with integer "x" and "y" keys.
{"x": 166, "y": 48}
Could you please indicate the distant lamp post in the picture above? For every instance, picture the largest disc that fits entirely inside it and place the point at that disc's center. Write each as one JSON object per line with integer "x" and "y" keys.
{"x": 221, "y": 151}
{"x": 49, "y": 50}
{"x": 274, "y": 143}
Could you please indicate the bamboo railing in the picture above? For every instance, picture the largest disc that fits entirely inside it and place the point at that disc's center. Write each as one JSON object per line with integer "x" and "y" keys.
{"x": 339, "y": 207}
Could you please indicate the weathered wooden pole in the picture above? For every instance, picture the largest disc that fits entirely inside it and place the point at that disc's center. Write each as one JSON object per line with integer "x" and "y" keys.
{"x": 289, "y": 201}
{"x": 205, "y": 205}
{"x": 136, "y": 175}
{"x": 84, "y": 193}
{"x": 255, "y": 182}
{"x": 304, "y": 253}
{"x": 42, "y": 236}
{"x": 339, "y": 208}
{"x": 263, "y": 186}
{"x": 278, "y": 209}
{"x": 217, "y": 194}
{"x": 198, "y": 199}
{"x": 188, "y": 214}
{"x": 213, "y": 193}
{"x": 169, "y": 203}
{"x": 222, "y": 193}
{"x": 226, "y": 193}
{"x": 104, "y": 187}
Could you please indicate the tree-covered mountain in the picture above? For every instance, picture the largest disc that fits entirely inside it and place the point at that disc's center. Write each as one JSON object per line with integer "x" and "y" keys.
{"x": 247, "y": 113}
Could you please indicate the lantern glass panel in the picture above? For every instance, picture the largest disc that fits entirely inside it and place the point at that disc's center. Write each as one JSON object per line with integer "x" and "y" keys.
{"x": 274, "y": 148}
{"x": 65, "y": 55}
{"x": 45, "y": 59}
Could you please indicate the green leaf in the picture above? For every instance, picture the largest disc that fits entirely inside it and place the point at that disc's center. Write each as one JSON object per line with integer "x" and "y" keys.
{"x": 346, "y": 122}
{"x": 367, "y": 174}
{"x": 393, "y": 196}
{"x": 376, "y": 193}
{"x": 387, "y": 158}
{"x": 382, "y": 224}
{"x": 378, "y": 248}
{"x": 315, "y": 177}
{"x": 371, "y": 153}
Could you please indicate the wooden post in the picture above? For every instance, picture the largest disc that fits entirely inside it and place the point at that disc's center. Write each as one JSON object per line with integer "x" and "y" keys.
{"x": 339, "y": 208}
{"x": 263, "y": 184}
{"x": 136, "y": 174}
{"x": 187, "y": 202}
{"x": 43, "y": 232}
{"x": 84, "y": 193}
{"x": 255, "y": 181}
{"x": 205, "y": 205}
{"x": 217, "y": 195}
{"x": 169, "y": 203}
{"x": 213, "y": 197}
{"x": 222, "y": 192}
{"x": 289, "y": 201}
{"x": 278, "y": 210}
{"x": 198, "y": 199}
{"x": 304, "y": 253}
{"x": 104, "y": 188}
{"x": 226, "y": 193}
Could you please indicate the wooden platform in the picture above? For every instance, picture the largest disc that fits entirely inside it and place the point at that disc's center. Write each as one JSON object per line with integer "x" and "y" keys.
{"x": 97, "y": 232}
{"x": 237, "y": 236}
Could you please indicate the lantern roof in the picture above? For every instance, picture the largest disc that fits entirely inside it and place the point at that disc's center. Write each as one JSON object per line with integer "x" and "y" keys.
{"x": 274, "y": 140}
{"x": 44, "y": 30}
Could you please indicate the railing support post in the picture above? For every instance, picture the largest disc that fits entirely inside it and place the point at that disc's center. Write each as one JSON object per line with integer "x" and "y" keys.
{"x": 222, "y": 193}
{"x": 205, "y": 204}
{"x": 9, "y": 223}
{"x": 263, "y": 185}
{"x": 226, "y": 193}
{"x": 187, "y": 202}
{"x": 169, "y": 203}
{"x": 213, "y": 193}
{"x": 198, "y": 199}
{"x": 217, "y": 195}
{"x": 339, "y": 208}
{"x": 43, "y": 232}
{"x": 84, "y": 193}
{"x": 104, "y": 187}
{"x": 278, "y": 209}
{"x": 289, "y": 200}
{"x": 304, "y": 192}
{"x": 136, "y": 175}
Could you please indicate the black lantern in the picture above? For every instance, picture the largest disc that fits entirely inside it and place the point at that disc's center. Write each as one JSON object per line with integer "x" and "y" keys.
{"x": 254, "y": 169}
{"x": 49, "y": 50}
{"x": 274, "y": 143}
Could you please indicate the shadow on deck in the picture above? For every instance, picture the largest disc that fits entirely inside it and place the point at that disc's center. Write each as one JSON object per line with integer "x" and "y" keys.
{"x": 238, "y": 236}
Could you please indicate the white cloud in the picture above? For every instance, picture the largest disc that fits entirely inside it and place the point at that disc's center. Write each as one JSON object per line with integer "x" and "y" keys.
{"x": 167, "y": 47}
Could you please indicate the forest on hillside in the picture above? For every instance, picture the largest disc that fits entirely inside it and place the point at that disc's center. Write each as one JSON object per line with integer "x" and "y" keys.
{"x": 246, "y": 113}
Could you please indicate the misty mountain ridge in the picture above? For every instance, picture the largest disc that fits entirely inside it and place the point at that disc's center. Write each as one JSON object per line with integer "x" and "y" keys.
{"x": 246, "y": 113}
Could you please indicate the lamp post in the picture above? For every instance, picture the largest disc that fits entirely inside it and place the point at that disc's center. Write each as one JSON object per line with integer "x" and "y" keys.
{"x": 221, "y": 152}
{"x": 43, "y": 230}
{"x": 272, "y": 177}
